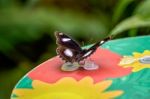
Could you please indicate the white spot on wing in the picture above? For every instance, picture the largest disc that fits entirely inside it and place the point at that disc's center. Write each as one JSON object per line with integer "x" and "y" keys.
{"x": 68, "y": 53}
{"x": 102, "y": 42}
{"x": 66, "y": 39}
{"x": 88, "y": 53}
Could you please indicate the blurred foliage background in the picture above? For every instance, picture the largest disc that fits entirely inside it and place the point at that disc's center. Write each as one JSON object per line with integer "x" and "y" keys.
{"x": 27, "y": 29}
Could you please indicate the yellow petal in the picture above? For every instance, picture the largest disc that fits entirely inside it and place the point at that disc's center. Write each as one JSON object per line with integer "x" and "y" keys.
{"x": 22, "y": 92}
{"x": 66, "y": 80}
{"x": 112, "y": 94}
{"x": 137, "y": 55}
{"x": 86, "y": 80}
{"x": 136, "y": 69}
{"x": 127, "y": 60}
{"x": 40, "y": 85}
{"x": 146, "y": 52}
{"x": 103, "y": 85}
{"x": 147, "y": 66}
{"x": 68, "y": 88}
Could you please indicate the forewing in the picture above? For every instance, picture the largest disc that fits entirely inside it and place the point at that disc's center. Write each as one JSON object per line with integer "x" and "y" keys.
{"x": 67, "y": 49}
{"x": 66, "y": 41}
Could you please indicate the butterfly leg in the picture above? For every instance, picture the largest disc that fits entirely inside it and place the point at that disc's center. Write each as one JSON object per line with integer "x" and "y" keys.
{"x": 90, "y": 65}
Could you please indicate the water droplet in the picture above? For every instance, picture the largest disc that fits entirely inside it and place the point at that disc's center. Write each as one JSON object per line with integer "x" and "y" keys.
{"x": 145, "y": 60}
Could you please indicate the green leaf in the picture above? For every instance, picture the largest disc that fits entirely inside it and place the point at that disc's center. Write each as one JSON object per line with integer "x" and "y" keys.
{"x": 141, "y": 18}
{"x": 135, "y": 85}
{"x": 120, "y": 8}
{"x": 130, "y": 23}
{"x": 143, "y": 9}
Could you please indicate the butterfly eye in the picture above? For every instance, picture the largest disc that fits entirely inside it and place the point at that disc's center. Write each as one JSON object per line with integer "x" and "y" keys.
{"x": 60, "y": 33}
{"x": 66, "y": 39}
{"x": 68, "y": 53}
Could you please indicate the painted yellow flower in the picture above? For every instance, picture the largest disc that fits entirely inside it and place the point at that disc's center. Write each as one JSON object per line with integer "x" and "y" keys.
{"x": 138, "y": 61}
{"x": 68, "y": 88}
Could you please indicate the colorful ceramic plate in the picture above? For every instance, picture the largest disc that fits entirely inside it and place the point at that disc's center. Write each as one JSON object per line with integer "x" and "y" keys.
{"x": 123, "y": 73}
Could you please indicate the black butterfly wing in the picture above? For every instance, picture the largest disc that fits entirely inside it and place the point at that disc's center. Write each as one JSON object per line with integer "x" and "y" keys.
{"x": 64, "y": 40}
{"x": 69, "y": 55}
{"x": 67, "y": 49}
{"x": 87, "y": 52}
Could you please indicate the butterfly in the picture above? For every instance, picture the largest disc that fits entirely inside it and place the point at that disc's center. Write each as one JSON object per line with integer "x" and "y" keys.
{"x": 70, "y": 51}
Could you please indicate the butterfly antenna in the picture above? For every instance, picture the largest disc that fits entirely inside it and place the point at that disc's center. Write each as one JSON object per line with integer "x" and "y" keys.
{"x": 82, "y": 43}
